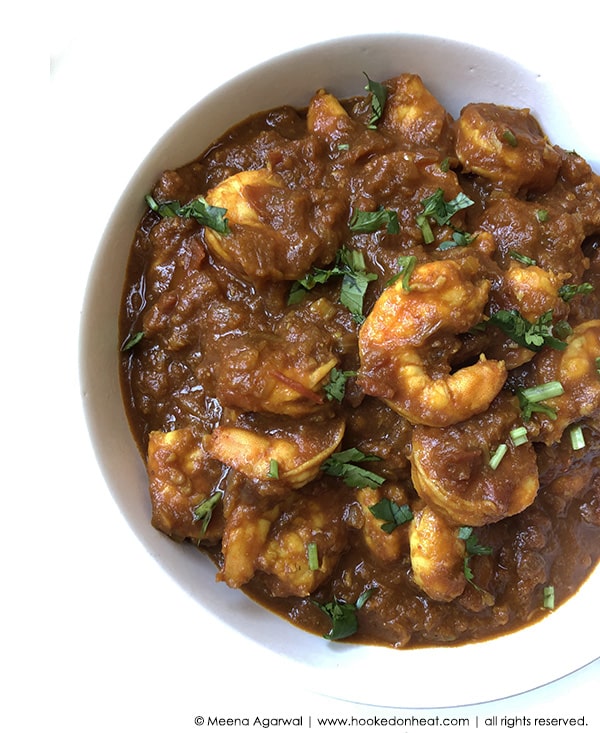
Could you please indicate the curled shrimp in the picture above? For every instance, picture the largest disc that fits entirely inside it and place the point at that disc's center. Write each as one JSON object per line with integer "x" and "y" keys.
{"x": 506, "y": 146}
{"x": 294, "y": 544}
{"x": 399, "y": 341}
{"x": 532, "y": 291}
{"x": 457, "y": 471}
{"x": 275, "y": 232}
{"x": 292, "y": 456}
{"x": 181, "y": 477}
{"x": 436, "y": 556}
{"x": 576, "y": 369}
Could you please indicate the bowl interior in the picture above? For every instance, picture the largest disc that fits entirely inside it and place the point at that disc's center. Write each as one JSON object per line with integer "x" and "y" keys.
{"x": 456, "y": 73}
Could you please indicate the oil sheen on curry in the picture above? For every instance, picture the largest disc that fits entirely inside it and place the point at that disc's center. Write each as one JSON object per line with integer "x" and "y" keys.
{"x": 361, "y": 355}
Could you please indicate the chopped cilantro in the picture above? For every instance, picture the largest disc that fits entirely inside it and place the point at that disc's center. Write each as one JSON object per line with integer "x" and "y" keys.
{"x": 568, "y": 292}
{"x": 350, "y": 265}
{"x": 391, "y": 513}
{"x": 198, "y": 209}
{"x": 343, "y": 465}
{"x": 372, "y": 221}
{"x": 523, "y": 259}
{"x": 378, "y": 100}
{"x": 533, "y": 336}
{"x": 441, "y": 211}
{"x": 342, "y": 614}
{"x": 407, "y": 264}
{"x": 472, "y": 547}
{"x": 205, "y": 509}
{"x": 335, "y": 389}
{"x": 132, "y": 341}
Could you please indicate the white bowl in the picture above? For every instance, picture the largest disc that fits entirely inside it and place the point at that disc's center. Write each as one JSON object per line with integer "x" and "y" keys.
{"x": 456, "y": 73}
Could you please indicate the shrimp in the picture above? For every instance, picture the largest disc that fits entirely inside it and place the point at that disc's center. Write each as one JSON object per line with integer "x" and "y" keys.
{"x": 444, "y": 298}
{"x": 294, "y": 544}
{"x": 455, "y": 469}
{"x": 507, "y": 147}
{"x": 577, "y": 371}
{"x": 437, "y": 556}
{"x": 276, "y": 232}
{"x": 293, "y": 457}
{"x": 327, "y": 119}
{"x": 532, "y": 291}
{"x": 414, "y": 115}
{"x": 182, "y": 476}
{"x": 304, "y": 546}
{"x": 384, "y": 546}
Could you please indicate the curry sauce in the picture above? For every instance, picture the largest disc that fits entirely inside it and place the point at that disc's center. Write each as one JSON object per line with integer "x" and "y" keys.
{"x": 360, "y": 355}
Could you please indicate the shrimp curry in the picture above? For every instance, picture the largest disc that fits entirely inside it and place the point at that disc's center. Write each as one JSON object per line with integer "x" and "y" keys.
{"x": 360, "y": 355}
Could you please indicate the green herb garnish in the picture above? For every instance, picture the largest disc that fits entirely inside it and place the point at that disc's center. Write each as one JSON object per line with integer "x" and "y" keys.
{"x": 472, "y": 547}
{"x": 312, "y": 552}
{"x": 497, "y": 456}
{"x": 510, "y": 137}
{"x": 577, "y": 438}
{"x": 372, "y": 221}
{"x": 531, "y": 399}
{"x": 342, "y": 614}
{"x": 343, "y": 465}
{"x": 132, "y": 341}
{"x": 533, "y": 336}
{"x": 350, "y": 265}
{"x": 548, "y": 598}
{"x": 406, "y": 264}
{"x": 198, "y": 209}
{"x": 568, "y": 292}
{"x": 434, "y": 207}
{"x": 205, "y": 509}
{"x": 523, "y": 259}
{"x": 459, "y": 239}
{"x": 378, "y": 100}
{"x": 335, "y": 389}
{"x": 391, "y": 513}
{"x": 273, "y": 471}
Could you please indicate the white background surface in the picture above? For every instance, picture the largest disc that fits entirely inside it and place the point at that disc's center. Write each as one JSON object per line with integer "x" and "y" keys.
{"x": 94, "y": 636}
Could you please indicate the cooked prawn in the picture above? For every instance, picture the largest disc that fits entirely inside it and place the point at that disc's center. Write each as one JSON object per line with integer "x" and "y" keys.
{"x": 444, "y": 298}
{"x": 276, "y": 232}
{"x": 276, "y": 539}
{"x": 436, "y": 556}
{"x": 576, "y": 369}
{"x": 291, "y": 456}
{"x": 453, "y": 469}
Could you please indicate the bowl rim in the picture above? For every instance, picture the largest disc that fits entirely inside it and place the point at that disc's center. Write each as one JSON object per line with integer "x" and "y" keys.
{"x": 110, "y": 443}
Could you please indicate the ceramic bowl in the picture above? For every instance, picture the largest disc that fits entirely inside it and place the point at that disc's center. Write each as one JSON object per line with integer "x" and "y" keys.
{"x": 456, "y": 73}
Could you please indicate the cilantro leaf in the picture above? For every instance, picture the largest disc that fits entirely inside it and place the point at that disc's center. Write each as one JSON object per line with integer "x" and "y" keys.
{"x": 371, "y": 221}
{"x": 342, "y": 614}
{"x": 407, "y": 264}
{"x": 391, "y": 513}
{"x": 198, "y": 209}
{"x": 205, "y": 509}
{"x": 472, "y": 547}
{"x": 568, "y": 292}
{"x": 335, "y": 389}
{"x": 441, "y": 211}
{"x": 532, "y": 335}
{"x": 343, "y": 465}
{"x": 350, "y": 265}
{"x": 132, "y": 341}
{"x": 378, "y": 100}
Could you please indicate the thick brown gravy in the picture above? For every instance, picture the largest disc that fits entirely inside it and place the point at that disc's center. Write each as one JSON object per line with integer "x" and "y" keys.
{"x": 454, "y": 265}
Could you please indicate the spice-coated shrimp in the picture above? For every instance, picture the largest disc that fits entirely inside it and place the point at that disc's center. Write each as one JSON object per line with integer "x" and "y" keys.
{"x": 397, "y": 345}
